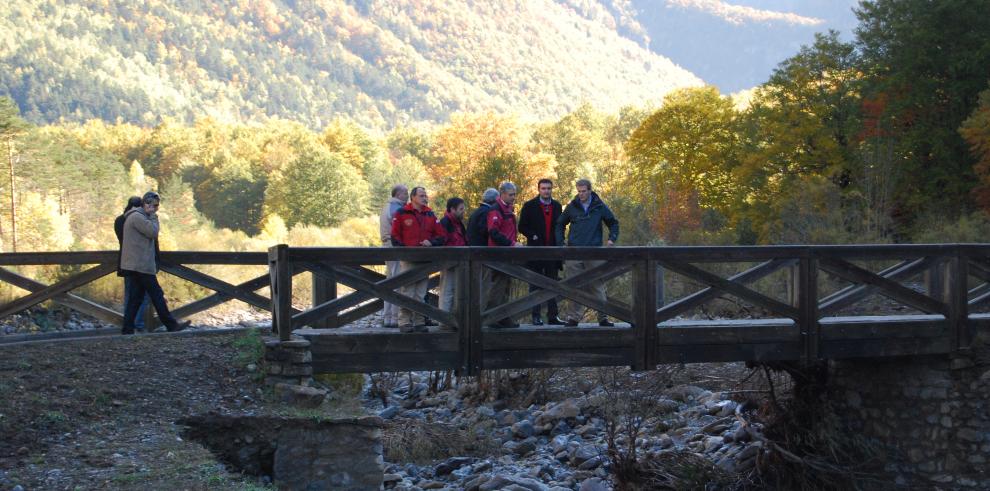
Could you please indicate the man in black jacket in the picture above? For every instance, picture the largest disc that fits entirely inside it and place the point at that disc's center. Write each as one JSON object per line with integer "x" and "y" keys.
{"x": 537, "y": 221}
{"x": 477, "y": 227}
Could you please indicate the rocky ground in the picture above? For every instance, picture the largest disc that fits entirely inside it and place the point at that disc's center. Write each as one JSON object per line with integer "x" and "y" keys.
{"x": 38, "y": 320}
{"x": 562, "y": 444}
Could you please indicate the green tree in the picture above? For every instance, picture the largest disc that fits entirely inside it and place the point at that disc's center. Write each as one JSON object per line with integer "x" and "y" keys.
{"x": 318, "y": 188}
{"x": 577, "y": 143}
{"x": 976, "y": 131}
{"x": 927, "y": 62}
{"x": 682, "y": 158}
{"x": 12, "y": 126}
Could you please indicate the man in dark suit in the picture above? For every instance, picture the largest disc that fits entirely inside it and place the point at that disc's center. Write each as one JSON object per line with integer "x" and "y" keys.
{"x": 537, "y": 221}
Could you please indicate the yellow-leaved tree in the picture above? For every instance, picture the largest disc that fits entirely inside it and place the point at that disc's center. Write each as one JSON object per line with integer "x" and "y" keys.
{"x": 482, "y": 150}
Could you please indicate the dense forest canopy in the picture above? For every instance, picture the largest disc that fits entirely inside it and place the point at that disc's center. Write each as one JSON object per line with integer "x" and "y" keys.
{"x": 881, "y": 139}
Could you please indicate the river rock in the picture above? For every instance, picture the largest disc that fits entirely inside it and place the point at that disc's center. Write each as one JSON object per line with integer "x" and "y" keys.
{"x": 452, "y": 464}
{"x": 300, "y": 396}
{"x": 592, "y": 463}
{"x": 561, "y": 428}
{"x": 580, "y": 454}
{"x": 594, "y": 484}
{"x": 521, "y": 448}
{"x": 566, "y": 409}
{"x": 504, "y": 482}
{"x": 687, "y": 393}
{"x": 523, "y": 429}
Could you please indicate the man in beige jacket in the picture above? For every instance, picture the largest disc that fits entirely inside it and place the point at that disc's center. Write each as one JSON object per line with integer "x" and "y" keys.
{"x": 400, "y": 194}
{"x": 139, "y": 262}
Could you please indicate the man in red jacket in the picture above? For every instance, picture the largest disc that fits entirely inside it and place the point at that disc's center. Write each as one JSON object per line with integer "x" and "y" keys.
{"x": 502, "y": 232}
{"x": 415, "y": 225}
{"x": 455, "y": 235}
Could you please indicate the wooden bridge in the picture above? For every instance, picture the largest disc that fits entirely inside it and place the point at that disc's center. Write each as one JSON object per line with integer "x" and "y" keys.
{"x": 936, "y": 292}
{"x": 806, "y": 303}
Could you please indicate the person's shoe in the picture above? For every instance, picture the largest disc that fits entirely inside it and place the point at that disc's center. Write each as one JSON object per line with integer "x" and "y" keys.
{"x": 537, "y": 321}
{"x": 555, "y": 321}
{"x": 179, "y": 326}
{"x": 606, "y": 323}
{"x": 389, "y": 325}
{"x": 571, "y": 323}
{"x": 127, "y": 332}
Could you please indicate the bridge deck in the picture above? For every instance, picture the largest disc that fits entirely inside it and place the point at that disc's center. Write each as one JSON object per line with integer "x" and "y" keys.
{"x": 362, "y": 349}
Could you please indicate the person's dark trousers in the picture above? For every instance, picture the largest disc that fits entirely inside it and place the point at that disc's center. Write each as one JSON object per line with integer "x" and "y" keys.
{"x": 146, "y": 284}
{"x": 548, "y": 269}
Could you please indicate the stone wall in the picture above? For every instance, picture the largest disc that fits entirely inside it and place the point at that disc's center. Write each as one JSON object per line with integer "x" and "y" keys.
{"x": 931, "y": 412}
{"x": 297, "y": 453}
{"x": 288, "y": 362}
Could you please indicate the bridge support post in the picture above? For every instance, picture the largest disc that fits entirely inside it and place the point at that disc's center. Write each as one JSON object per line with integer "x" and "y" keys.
{"x": 957, "y": 298}
{"x": 804, "y": 296}
{"x": 280, "y": 272}
{"x": 325, "y": 290}
{"x": 645, "y": 315}
{"x": 469, "y": 305}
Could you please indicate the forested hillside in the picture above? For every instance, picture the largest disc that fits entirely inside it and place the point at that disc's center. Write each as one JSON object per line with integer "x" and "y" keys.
{"x": 380, "y": 63}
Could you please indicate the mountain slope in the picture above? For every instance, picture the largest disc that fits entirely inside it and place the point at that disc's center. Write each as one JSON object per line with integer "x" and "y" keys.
{"x": 733, "y": 44}
{"x": 378, "y": 62}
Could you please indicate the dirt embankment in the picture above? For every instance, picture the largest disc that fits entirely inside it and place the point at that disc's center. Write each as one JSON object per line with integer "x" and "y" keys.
{"x": 100, "y": 413}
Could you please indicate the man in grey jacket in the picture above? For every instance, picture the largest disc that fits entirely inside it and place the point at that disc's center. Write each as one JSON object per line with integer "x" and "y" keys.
{"x": 585, "y": 214}
{"x": 138, "y": 261}
{"x": 400, "y": 194}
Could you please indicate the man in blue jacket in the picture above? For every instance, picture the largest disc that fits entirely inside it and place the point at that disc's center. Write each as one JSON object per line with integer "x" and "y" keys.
{"x": 585, "y": 215}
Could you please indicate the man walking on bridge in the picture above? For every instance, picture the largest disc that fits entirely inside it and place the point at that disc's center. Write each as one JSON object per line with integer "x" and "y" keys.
{"x": 400, "y": 194}
{"x": 502, "y": 232}
{"x": 415, "y": 225}
{"x": 585, "y": 214}
{"x": 138, "y": 260}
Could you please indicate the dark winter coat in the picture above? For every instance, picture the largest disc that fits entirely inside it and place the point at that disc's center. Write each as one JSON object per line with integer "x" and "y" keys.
{"x": 586, "y": 226}
{"x": 477, "y": 227}
{"x": 532, "y": 224}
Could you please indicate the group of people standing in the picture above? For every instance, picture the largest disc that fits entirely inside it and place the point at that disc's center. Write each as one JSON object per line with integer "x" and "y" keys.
{"x": 408, "y": 221}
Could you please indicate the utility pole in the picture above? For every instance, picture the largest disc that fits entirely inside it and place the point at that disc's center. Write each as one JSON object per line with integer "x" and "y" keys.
{"x": 13, "y": 208}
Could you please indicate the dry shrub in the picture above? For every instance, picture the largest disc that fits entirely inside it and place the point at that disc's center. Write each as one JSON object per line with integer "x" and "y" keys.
{"x": 382, "y": 385}
{"x": 422, "y": 442}
{"x": 629, "y": 403}
{"x": 682, "y": 470}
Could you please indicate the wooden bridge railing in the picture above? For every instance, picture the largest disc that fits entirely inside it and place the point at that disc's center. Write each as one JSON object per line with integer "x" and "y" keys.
{"x": 103, "y": 263}
{"x": 805, "y": 326}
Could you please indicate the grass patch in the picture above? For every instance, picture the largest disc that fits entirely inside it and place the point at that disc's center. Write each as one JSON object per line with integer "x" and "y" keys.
{"x": 250, "y": 348}
{"x": 53, "y": 420}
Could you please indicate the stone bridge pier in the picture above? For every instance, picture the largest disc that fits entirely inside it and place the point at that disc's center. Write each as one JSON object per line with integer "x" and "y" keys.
{"x": 931, "y": 412}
